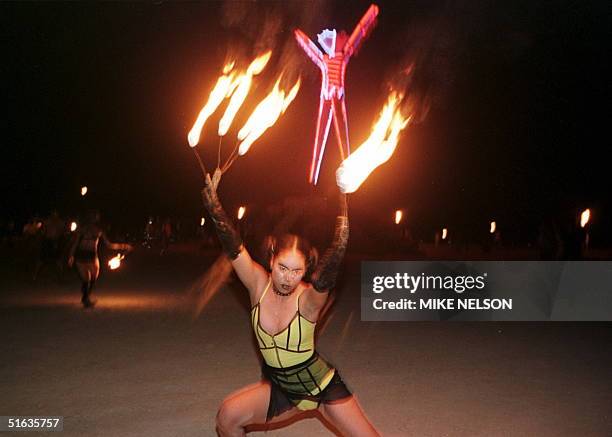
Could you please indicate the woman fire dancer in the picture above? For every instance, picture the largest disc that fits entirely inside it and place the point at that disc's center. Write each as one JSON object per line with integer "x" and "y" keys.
{"x": 84, "y": 251}
{"x": 284, "y": 312}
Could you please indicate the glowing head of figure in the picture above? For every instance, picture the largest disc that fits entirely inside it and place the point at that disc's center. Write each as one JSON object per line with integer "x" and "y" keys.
{"x": 291, "y": 259}
{"x": 327, "y": 40}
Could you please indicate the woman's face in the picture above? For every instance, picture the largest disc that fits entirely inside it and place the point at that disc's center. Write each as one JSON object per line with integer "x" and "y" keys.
{"x": 288, "y": 269}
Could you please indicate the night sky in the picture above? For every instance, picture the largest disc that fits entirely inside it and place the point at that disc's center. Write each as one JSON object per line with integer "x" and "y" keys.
{"x": 511, "y": 102}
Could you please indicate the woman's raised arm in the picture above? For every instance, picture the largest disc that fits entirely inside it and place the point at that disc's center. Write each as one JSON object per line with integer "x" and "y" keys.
{"x": 252, "y": 275}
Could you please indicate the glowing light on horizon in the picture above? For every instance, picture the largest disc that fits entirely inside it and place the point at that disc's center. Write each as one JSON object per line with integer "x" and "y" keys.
{"x": 398, "y": 216}
{"x": 585, "y": 217}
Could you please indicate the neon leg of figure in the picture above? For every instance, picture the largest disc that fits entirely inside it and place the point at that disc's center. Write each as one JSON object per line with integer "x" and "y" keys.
{"x": 323, "y": 125}
{"x": 341, "y": 127}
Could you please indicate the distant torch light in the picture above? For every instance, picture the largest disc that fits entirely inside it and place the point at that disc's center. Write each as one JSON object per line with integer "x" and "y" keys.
{"x": 83, "y": 190}
{"x": 202, "y": 221}
{"x": 241, "y": 212}
{"x": 73, "y": 226}
{"x": 398, "y": 216}
{"x": 444, "y": 233}
{"x": 585, "y": 217}
{"x": 493, "y": 226}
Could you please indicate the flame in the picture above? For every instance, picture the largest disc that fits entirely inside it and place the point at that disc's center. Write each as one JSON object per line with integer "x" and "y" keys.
{"x": 83, "y": 190}
{"x": 228, "y": 67}
{"x": 224, "y": 88}
{"x": 444, "y": 233}
{"x": 398, "y": 216}
{"x": 376, "y": 150}
{"x": 115, "y": 261}
{"x": 265, "y": 115}
{"x": 585, "y": 217}
{"x": 493, "y": 226}
{"x": 241, "y": 212}
{"x": 244, "y": 85}
{"x": 73, "y": 226}
{"x": 202, "y": 221}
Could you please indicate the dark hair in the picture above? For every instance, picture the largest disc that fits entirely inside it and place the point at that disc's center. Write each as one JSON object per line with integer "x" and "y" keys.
{"x": 273, "y": 245}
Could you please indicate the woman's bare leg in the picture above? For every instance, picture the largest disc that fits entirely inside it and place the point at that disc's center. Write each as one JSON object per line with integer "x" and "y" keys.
{"x": 87, "y": 273}
{"x": 348, "y": 417}
{"x": 247, "y": 406}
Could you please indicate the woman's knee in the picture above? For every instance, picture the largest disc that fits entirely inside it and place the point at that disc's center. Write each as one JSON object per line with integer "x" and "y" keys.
{"x": 228, "y": 417}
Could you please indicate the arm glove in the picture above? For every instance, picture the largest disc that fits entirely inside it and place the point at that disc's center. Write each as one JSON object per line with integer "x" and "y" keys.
{"x": 324, "y": 277}
{"x": 229, "y": 237}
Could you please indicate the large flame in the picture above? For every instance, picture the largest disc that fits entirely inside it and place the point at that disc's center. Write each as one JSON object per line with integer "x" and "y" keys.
{"x": 224, "y": 88}
{"x": 376, "y": 150}
{"x": 265, "y": 115}
{"x": 244, "y": 85}
{"x": 115, "y": 261}
{"x": 585, "y": 217}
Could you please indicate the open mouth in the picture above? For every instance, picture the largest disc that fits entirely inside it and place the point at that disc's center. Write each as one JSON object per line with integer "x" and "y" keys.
{"x": 286, "y": 287}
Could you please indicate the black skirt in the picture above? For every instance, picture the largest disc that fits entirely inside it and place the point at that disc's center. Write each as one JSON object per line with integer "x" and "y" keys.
{"x": 282, "y": 399}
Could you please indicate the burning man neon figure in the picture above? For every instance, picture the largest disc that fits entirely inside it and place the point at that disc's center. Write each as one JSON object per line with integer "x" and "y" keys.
{"x": 338, "y": 48}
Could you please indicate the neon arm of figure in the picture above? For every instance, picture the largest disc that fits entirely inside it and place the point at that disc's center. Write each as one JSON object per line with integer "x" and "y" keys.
{"x": 361, "y": 30}
{"x": 310, "y": 48}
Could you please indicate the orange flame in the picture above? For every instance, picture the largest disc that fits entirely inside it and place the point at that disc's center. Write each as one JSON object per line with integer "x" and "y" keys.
{"x": 241, "y": 212}
{"x": 244, "y": 80}
{"x": 444, "y": 233}
{"x": 493, "y": 227}
{"x": 83, "y": 190}
{"x": 224, "y": 88}
{"x": 398, "y": 216}
{"x": 585, "y": 217}
{"x": 115, "y": 262}
{"x": 73, "y": 226}
{"x": 265, "y": 115}
{"x": 376, "y": 150}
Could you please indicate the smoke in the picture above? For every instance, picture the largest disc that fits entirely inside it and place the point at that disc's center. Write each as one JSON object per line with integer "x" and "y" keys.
{"x": 429, "y": 51}
{"x": 257, "y": 27}
{"x": 436, "y": 45}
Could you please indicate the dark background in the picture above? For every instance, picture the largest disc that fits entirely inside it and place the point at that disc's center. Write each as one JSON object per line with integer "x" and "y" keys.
{"x": 511, "y": 101}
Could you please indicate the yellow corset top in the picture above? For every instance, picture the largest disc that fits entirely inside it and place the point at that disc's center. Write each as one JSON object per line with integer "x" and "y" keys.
{"x": 293, "y": 345}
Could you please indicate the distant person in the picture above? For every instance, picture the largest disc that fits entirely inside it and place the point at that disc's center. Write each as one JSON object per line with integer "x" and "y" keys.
{"x": 84, "y": 253}
{"x": 550, "y": 244}
{"x": 166, "y": 235}
{"x": 573, "y": 241}
{"x": 51, "y": 246}
{"x": 148, "y": 233}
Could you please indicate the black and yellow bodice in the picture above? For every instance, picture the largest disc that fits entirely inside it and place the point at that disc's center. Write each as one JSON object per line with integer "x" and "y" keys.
{"x": 290, "y": 355}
